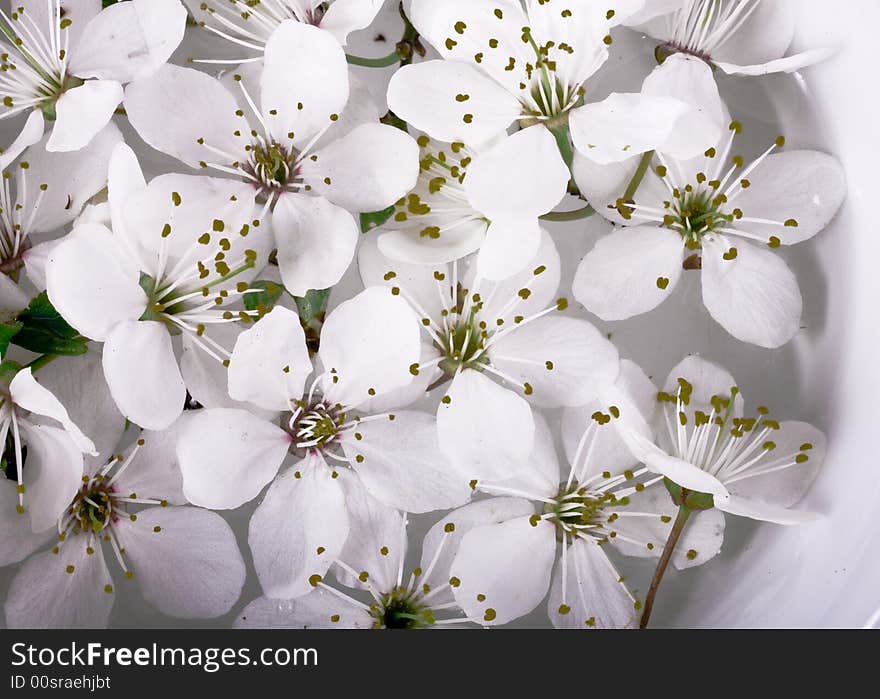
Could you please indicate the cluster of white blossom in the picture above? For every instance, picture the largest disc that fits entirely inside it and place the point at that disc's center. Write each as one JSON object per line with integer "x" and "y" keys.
{"x": 168, "y": 354}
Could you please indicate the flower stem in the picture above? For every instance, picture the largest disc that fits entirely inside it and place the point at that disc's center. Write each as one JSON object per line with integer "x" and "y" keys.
{"x": 41, "y": 361}
{"x": 563, "y": 140}
{"x": 391, "y": 59}
{"x": 639, "y": 175}
{"x": 563, "y": 216}
{"x": 674, "y": 535}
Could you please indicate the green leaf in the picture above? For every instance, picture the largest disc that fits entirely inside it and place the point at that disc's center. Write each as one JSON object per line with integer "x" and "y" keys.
{"x": 313, "y": 305}
{"x": 8, "y": 331}
{"x": 41, "y": 315}
{"x": 265, "y": 300}
{"x": 44, "y": 342}
{"x": 375, "y": 219}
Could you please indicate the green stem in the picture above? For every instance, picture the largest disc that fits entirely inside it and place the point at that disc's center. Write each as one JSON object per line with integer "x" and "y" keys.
{"x": 674, "y": 535}
{"x": 563, "y": 216}
{"x": 384, "y": 62}
{"x": 563, "y": 141}
{"x": 41, "y": 361}
{"x": 639, "y": 175}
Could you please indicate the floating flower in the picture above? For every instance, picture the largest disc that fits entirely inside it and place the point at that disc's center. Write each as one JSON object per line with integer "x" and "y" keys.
{"x": 499, "y": 346}
{"x": 309, "y": 161}
{"x": 176, "y": 261}
{"x": 741, "y": 37}
{"x": 185, "y": 559}
{"x": 368, "y": 346}
{"x": 71, "y": 62}
{"x": 714, "y": 213}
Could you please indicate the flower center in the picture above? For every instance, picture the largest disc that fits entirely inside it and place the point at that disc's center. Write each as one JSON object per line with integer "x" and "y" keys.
{"x": 273, "y": 164}
{"x": 576, "y": 510}
{"x": 94, "y": 506}
{"x": 315, "y": 425}
{"x": 463, "y": 346}
{"x": 695, "y": 212}
{"x": 401, "y": 609}
{"x": 701, "y": 27}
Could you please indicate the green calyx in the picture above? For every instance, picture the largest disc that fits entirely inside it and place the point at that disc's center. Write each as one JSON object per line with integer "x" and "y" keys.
{"x": 400, "y": 610}
{"x": 691, "y": 499}
{"x": 48, "y": 106}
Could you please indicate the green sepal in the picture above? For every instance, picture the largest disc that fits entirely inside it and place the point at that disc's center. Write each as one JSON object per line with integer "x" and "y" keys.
{"x": 375, "y": 219}
{"x": 8, "y": 331}
{"x": 44, "y": 331}
{"x": 265, "y": 300}
{"x": 691, "y": 499}
{"x": 313, "y": 305}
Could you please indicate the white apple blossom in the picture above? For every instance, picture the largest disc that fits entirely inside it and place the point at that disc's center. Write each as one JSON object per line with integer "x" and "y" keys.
{"x": 372, "y": 561}
{"x": 302, "y": 154}
{"x": 497, "y": 344}
{"x": 180, "y": 254}
{"x": 70, "y": 59}
{"x": 185, "y": 559}
{"x": 708, "y": 213}
{"x": 250, "y": 25}
{"x": 369, "y": 345}
{"x": 741, "y": 37}
{"x": 753, "y": 466}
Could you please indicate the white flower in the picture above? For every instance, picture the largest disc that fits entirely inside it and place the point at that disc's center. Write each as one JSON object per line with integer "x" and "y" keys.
{"x": 741, "y": 37}
{"x": 185, "y": 559}
{"x": 702, "y": 214}
{"x": 250, "y": 25}
{"x": 752, "y": 466}
{"x": 303, "y": 155}
{"x": 373, "y": 561}
{"x": 42, "y": 191}
{"x": 368, "y": 346}
{"x": 71, "y": 62}
{"x": 496, "y": 344}
{"x": 177, "y": 259}
{"x": 487, "y": 200}
{"x": 503, "y": 570}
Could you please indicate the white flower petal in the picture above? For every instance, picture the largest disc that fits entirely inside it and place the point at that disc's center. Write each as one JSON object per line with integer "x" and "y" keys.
{"x": 346, "y": 16}
{"x": 786, "y": 486}
{"x": 594, "y": 596}
{"x": 486, "y": 429}
{"x": 143, "y": 375}
{"x": 82, "y": 112}
{"x": 227, "y": 457}
{"x": 154, "y": 472}
{"x": 185, "y": 560}
{"x": 43, "y": 595}
{"x": 89, "y": 286}
{"x": 400, "y": 462}
{"x": 270, "y": 362}
{"x": 129, "y": 40}
{"x": 755, "y": 296}
{"x": 19, "y": 541}
{"x": 542, "y": 475}
{"x": 316, "y": 241}
{"x": 510, "y": 243}
{"x": 71, "y": 179}
{"x": 807, "y": 186}
{"x": 367, "y": 169}
{"x": 27, "y": 393}
{"x": 52, "y": 475}
{"x": 442, "y": 541}
{"x": 764, "y": 512}
{"x": 176, "y": 107}
{"x": 764, "y": 36}
{"x": 789, "y": 64}
{"x": 368, "y": 345}
{"x": 303, "y": 65}
{"x": 317, "y": 610}
{"x": 31, "y": 133}
{"x": 376, "y": 542}
{"x": 452, "y": 101}
{"x": 508, "y": 565}
{"x": 299, "y": 529}
{"x": 629, "y": 272}
{"x": 564, "y": 360}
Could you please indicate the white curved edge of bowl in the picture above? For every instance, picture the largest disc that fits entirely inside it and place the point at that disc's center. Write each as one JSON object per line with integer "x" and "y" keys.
{"x": 827, "y": 573}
